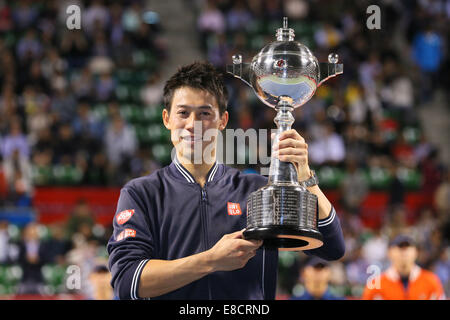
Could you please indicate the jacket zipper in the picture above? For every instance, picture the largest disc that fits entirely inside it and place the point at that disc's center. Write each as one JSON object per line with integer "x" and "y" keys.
{"x": 204, "y": 201}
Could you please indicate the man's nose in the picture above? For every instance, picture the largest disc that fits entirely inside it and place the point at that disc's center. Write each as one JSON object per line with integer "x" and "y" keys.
{"x": 190, "y": 122}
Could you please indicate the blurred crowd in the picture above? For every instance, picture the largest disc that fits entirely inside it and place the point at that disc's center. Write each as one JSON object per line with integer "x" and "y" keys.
{"x": 82, "y": 107}
{"x": 65, "y": 93}
{"x": 68, "y": 257}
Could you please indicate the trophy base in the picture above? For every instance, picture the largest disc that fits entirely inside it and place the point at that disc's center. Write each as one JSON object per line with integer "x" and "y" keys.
{"x": 285, "y": 238}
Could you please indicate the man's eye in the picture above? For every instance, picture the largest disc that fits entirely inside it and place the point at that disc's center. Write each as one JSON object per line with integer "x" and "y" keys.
{"x": 182, "y": 112}
{"x": 205, "y": 113}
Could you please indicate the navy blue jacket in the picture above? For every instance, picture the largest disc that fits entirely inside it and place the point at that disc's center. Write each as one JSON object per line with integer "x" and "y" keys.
{"x": 167, "y": 215}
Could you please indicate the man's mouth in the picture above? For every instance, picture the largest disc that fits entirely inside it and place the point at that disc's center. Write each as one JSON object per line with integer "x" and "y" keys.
{"x": 192, "y": 139}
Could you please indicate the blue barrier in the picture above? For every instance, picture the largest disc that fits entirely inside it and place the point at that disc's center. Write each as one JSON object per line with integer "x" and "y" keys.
{"x": 18, "y": 216}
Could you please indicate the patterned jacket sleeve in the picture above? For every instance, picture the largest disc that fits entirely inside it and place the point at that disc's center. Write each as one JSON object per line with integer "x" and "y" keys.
{"x": 131, "y": 244}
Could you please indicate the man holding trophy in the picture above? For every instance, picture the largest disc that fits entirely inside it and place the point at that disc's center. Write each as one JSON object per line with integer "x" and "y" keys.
{"x": 198, "y": 229}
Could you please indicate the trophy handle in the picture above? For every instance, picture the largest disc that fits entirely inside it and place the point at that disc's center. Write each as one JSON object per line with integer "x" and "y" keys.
{"x": 329, "y": 70}
{"x": 240, "y": 70}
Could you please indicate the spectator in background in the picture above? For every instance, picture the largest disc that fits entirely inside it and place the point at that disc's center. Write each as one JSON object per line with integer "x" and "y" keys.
{"x": 427, "y": 52}
{"x": 31, "y": 260}
{"x": 375, "y": 248}
{"x": 152, "y": 91}
{"x": 404, "y": 280}
{"x": 98, "y": 172}
{"x": 238, "y": 17}
{"x": 84, "y": 254}
{"x": 396, "y": 222}
{"x": 6, "y": 22}
{"x": 211, "y": 20}
{"x": 356, "y": 144}
{"x": 105, "y": 87}
{"x": 432, "y": 174}
{"x": 327, "y": 149}
{"x": 422, "y": 149}
{"x": 442, "y": 269}
{"x": 74, "y": 47}
{"x": 95, "y": 17}
{"x": 64, "y": 104}
{"x": 83, "y": 84}
{"x": 398, "y": 94}
{"x": 356, "y": 269}
{"x": 369, "y": 71}
{"x": 4, "y": 242}
{"x": 8, "y": 107}
{"x": 29, "y": 47}
{"x": 273, "y": 10}
{"x": 354, "y": 187}
{"x": 131, "y": 18}
{"x": 442, "y": 197}
{"x": 327, "y": 36}
{"x": 63, "y": 146}
{"x": 100, "y": 279}
{"x": 18, "y": 178}
{"x": 24, "y": 14}
{"x": 57, "y": 246}
{"x": 3, "y": 184}
{"x": 396, "y": 187}
{"x": 218, "y": 50}
{"x": 36, "y": 79}
{"x": 116, "y": 28}
{"x": 16, "y": 165}
{"x": 100, "y": 45}
{"x": 316, "y": 276}
{"x": 80, "y": 216}
{"x": 120, "y": 141}
{"x": 85, "y": 125}
{"x": 15, "y": 140}
{"x": 52, "y": 64}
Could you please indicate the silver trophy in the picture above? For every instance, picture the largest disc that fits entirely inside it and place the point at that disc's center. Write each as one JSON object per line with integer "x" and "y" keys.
{"x": 284, "y": 75}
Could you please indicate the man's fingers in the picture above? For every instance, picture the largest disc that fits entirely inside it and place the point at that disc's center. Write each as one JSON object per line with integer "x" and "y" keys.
{"x": 241, "y": 243}
{"x": 290, "y": 152}
{"x": 249, "y": 244}
{"x": 293, "y": 143}
{"x": 236, "y": 235}
{"x": 251, "y": 254}
{"x": 291, "y": 134}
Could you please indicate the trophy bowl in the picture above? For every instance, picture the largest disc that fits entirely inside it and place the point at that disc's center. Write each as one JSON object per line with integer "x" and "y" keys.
{"x": 284, "y": 75}
{"x": 284, "y": 68}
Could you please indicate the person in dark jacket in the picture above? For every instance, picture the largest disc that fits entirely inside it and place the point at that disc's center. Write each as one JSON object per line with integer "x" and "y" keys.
{"x": 316, "y": 276}
{"x": 178, "y": 232}
{"x": 31, "y": 259}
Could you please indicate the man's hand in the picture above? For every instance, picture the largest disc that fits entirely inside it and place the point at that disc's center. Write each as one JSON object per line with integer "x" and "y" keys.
{"x": 293, "y": 148}
{"x": 232, "y": 252}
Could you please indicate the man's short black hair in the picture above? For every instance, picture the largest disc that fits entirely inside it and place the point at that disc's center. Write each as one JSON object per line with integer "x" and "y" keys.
{"x": 198, "y": 75}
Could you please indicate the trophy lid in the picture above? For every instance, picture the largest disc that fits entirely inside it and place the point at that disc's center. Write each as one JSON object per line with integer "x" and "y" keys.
{"x": 285, "y": 67}
{"x": 285, "y": 33}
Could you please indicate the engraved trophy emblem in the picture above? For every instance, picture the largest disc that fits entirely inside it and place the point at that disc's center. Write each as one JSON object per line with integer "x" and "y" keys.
{"x": 284, "y": 75}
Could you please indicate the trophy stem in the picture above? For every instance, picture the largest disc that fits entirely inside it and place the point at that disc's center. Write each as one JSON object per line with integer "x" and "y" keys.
{"x": 282, "y": 172}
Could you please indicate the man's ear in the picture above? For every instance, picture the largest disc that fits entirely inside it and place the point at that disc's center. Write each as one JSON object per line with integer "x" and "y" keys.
{"x": 223, "y": 120}
{"x": 165, "y": 117}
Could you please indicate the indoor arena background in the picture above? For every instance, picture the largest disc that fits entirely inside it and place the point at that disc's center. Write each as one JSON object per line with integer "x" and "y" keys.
{"x": 80, "y": 114}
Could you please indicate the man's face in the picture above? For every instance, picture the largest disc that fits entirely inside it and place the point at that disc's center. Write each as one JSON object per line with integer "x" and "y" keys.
{"x": 194, "y": 121}
{"x": 316, "y": 279}
{"x": 403, "y": 258}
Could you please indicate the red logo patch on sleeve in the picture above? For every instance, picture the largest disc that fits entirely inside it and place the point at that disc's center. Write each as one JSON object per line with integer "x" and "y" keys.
{"x": 234, "y": 209}
{"x": 126, "y": 233}
{"x": 124, "y": 216}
